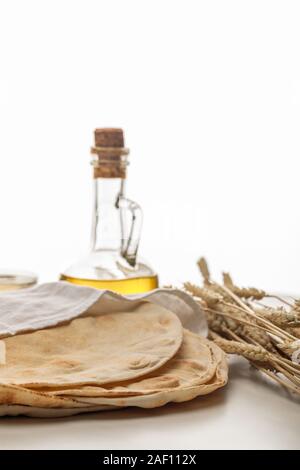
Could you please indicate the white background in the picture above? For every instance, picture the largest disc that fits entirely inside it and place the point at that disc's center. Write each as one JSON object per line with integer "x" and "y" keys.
{"x": 208, "y": 93}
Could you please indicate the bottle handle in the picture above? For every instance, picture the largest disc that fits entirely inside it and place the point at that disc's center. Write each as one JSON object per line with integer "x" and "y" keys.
{"x": 130, "y": 243}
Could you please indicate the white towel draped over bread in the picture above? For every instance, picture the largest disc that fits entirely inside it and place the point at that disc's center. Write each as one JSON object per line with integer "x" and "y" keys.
{"x": 54, "y": 303}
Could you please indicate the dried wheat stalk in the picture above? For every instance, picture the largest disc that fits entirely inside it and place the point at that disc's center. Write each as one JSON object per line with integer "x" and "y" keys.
{"x": 269, "y": 337}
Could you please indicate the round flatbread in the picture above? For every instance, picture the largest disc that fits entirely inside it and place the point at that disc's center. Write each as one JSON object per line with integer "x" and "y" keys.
{"x": 194, "y": 364}
{"x": 93, "y": 350}
{"x": 198, "y": 368}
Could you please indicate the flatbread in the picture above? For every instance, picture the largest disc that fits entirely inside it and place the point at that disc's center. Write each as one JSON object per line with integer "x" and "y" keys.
{"x": 200, "y": 367}
{"x": 93, "y": 350}
{"x": 15, "y": 395}
{"x": 194, "y": 364}
{"x": 191, "y": 373}
{"x": 36, "y": 412}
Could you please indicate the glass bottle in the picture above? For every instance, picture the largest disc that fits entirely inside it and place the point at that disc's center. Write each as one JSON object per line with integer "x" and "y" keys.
{"x": 113, "y": 261}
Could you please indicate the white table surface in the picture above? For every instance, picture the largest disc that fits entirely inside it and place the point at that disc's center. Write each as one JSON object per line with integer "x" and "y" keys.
{"x": 250, "y": 413}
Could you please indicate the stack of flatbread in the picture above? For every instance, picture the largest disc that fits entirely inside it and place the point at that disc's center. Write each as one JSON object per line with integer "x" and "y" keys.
{"x": 143, "y": 358}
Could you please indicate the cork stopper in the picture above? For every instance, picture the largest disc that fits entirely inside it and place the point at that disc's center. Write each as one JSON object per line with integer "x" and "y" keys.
{"x": 109, "y": 137}
{"x": 109, "y": 153}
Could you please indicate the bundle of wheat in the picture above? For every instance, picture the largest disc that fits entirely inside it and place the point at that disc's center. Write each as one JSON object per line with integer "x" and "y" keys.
{"x": 240, "y": 323}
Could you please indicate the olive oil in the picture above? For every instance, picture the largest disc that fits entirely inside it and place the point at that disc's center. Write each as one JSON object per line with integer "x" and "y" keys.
{"x": 121, "y": 286}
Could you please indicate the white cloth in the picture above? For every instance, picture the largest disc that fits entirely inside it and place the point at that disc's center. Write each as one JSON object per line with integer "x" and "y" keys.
{"x": 57, "y": 302}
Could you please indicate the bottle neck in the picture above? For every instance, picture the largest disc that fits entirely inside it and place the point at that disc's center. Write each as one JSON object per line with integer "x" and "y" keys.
{"x": 107, "y": 230}
{"x": 117, "y": 220}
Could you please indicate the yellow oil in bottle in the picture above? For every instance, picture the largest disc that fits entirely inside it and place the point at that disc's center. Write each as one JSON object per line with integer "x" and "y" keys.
{"x": 134, "y": 285}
